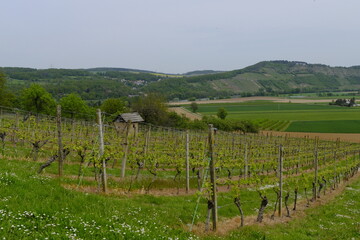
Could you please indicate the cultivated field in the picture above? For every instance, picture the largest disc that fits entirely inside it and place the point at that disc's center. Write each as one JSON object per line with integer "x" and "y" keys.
{"x": 185, "y": 112}
{"x": 292, "y": 117}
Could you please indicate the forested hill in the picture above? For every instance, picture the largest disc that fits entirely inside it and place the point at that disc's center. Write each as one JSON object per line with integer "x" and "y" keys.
{"x": 264, "y": 78}
{"x": 90, "y": 84}
{"x": 108, "y": 69}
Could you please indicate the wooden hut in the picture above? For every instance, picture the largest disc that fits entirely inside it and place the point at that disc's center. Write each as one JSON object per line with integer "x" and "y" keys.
{"x": 125, "y": 120}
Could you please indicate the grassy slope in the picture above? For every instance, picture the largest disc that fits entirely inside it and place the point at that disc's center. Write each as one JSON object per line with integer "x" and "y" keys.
{"x": 33, "y": 206}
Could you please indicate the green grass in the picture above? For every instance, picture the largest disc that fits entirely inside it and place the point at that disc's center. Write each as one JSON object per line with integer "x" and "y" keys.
{"x": 340, "y": 126}
{"x": 34, "y": 206}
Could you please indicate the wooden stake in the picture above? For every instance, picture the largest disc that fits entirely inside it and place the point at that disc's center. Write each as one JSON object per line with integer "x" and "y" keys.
{"x": 123, "y": 164}
{"x": 280, "y": 178}
{"x": 60, "y": 146}
{"x": 1, "y": 113}
{"x": 187, "y": 163}
{"x": 101, "y": 152}
{"x": 16, "y": 119}
{"x": 147, "y": 141}
{"x": 213, "y": 176}
{"x": 316, "y": 167}
{"x": 246, "y": 161}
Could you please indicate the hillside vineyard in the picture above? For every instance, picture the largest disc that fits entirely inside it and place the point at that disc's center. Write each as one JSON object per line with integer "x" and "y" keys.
{"x": 154, "y": 159}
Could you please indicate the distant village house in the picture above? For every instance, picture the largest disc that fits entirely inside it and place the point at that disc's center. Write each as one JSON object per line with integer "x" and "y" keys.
{"x": 345, "y": 102}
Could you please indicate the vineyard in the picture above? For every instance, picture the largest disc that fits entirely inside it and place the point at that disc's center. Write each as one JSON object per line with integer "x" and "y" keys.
{"x": 221, "y": 175}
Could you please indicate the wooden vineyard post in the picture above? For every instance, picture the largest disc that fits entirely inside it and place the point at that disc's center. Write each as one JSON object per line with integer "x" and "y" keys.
{"x": 316, "y": 167}
{"x": 212, "y": 176}
{"x": 187, "y": 163}
{"x": 1, "y": 115}
{"x": 59, "y": 135}
{"x": 280, "y": 178}
{"x": 123, "y": 164}
{"x": 101, "y": 153}
{"x": 147, "y": 140}
{"x": 16, "y": 119}
{"x": 335, "y": 155}
{"x": 14, "y": 139}
{"x": 72, "y": 127}
{"x": 246, "y": 161}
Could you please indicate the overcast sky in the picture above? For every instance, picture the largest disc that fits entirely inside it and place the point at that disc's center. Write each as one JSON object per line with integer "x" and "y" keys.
{"x": 176, "y": 36}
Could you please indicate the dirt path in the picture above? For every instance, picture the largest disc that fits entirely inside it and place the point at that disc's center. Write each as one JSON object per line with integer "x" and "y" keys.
{"x": 247, "y": 99}
{"x": 345, "y": 137}
{"x": 184, "y": 112}
{"x": 227, "y": 225}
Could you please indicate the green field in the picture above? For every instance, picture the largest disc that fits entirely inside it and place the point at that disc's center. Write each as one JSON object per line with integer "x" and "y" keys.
{"x": 322, "y": 118}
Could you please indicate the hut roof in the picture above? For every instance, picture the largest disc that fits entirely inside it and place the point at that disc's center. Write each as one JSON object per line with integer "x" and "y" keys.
{"x": 133, "y": 117}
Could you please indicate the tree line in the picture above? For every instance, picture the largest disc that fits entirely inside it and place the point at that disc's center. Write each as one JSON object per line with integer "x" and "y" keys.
{"x": 152, "y": 107}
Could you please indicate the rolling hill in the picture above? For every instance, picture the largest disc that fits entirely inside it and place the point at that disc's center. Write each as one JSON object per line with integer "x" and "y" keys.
{"x": 264, "y": 78}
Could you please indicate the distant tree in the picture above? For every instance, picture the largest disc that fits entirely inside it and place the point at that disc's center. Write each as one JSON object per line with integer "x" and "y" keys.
{"x": 6, "y": 98}
{"x": 222, "y": 113}
{"x": 352, "y": 102}
{"x": 152, "y": 108}
{"x": 2, "y": 82}
{"x": 194, "y": 106}
{"x": 340, "y": 102}
{"x": 73, "y": 106}
{"x": 37, "y": 99}
{"x": 114, "y": 106}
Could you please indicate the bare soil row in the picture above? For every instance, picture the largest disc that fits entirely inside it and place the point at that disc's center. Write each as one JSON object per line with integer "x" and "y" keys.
{"x": 344, "y": 137}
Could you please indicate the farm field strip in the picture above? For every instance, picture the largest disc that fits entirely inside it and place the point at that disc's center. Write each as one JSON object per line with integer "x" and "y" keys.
{"x": 344, "y": 137}
{"x": 343, "y": 126}
{"x": 250, "y": 99}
